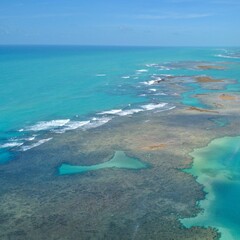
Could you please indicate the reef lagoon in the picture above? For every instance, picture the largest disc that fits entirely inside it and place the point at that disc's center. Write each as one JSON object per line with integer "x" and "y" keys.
{"x": 119, "y": 160}
{"x": 119, "y": 143}
{"x": 217, "y": 168}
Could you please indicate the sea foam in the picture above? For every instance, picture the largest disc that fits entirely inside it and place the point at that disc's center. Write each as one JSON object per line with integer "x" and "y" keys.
{"x": 71, "y": 125}
{"x": 40, "y": 142}
{"x": 47, "y": 125}
{"x": 111, "y": 112}
{"x": 147, "y": 107}
{"x": 227, "y": 56}
{"x": 153, "y": 89}
{"x": 149, "y": 83}
{"x": 153, "y": 106}
{"x": 129, "y": 112}
{"x": 141, "y": 70}
{"x": 153, "y": 82}
{"x": 11, "y": 145}
{"x": 97, "y": 122}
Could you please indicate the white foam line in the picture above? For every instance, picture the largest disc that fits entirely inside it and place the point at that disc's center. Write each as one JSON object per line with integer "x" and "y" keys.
{"x": 149, "y": 83}
{"x": 27, "y": 138}
{"x": 47, "y": 125}
{"x": 151, "y": 65}
{"x": 153, "y": 82}
{"x": 111, "y": 112}
{"x": 11, "y": 145}
{"x": 152, "y": 106}
{"x": 97, "y": 122}
{"x": 101, "y": 75}
{"x": 30, "y": 138}
{"x": 227, "y": 56}
{"x": 153, "y": 89}
{"x": 147, "y": 107}
{"x": 141, "y": 70}
{"x": 129, "y": 112}
{"x": 72, "y": 125}
{"x": 40, "y": 142}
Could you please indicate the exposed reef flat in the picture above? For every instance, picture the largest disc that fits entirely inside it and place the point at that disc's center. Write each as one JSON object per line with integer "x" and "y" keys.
{"x": 183, "y": 81}
{"x": 201, "y": 110}
{"x": 227, "y": 97}
{"x": 156, "y": 146}
{"x": 210, "y": 67}
{"x": 193, "y": 65}
{"x": 112, "y": 203}
{"x": 204, "y": 79}
{"x": 225, "y": 102}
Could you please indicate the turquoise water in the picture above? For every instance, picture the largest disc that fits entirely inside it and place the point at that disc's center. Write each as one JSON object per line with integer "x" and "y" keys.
{"x": 61, "y": 88}
{"x": 217, "y": 167}
{"x": 48, "y": 90}
{"x": 119, "y": 160}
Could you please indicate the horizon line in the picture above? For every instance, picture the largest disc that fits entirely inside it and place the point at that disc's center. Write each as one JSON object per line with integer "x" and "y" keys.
{"x": 107, "y": 45}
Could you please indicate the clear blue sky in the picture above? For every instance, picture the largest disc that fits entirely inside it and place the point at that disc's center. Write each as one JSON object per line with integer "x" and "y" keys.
{"x": 123, "y": 22}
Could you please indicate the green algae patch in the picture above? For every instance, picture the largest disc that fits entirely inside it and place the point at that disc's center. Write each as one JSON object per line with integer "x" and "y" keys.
{"x": 119, "y": 160}
{"x": 217, "y": 168}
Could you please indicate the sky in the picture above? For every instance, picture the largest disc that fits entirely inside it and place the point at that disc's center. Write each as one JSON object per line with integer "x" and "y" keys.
{"x": 123, "y": 22}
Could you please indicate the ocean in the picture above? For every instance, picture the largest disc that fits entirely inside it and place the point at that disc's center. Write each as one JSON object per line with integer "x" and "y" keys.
{"x": 46, "y": 87}
{"x": 46, "y": 91}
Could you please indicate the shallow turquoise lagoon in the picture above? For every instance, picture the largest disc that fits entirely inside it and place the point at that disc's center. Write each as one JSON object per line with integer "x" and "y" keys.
{"x": 119, "y": 160}
{"x": 217, "y": 168}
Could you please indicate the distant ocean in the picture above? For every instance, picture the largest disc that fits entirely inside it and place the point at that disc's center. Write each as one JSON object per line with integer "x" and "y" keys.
{"x": 63, "y": 88}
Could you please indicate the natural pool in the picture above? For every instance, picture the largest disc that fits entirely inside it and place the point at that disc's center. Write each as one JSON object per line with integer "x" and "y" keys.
{"x": 217, "y": 167}
{"x": 119, "y": 160}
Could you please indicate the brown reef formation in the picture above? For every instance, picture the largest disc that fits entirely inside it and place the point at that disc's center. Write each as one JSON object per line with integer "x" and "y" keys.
{"x": 206, "y": 79}
{"x": 227, "y": 97}
{"x": 156, "y": 147}
{"x": 37, "y": 203}
{"x": 201, "y": 110}
{"x": 210, "y": 67}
